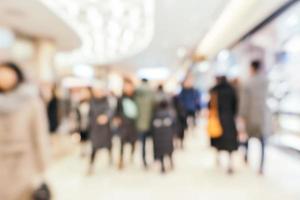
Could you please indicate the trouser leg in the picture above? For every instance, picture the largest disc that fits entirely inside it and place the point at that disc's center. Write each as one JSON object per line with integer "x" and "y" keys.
{"x": 93, "y": 156}
{"x": 230, "y": 168}
{"x": 110, "y": 156}
{"x": 121, "y": 164}
{"x": 92, "y": 160}
{"x": 246, "y": 145}
{"x": 171, "y": 161}
{"x": 262, "y": 158}
{"x": 163, "y": 169}
{"x": 144, "y": 140}
{"x": 132, "y": 151}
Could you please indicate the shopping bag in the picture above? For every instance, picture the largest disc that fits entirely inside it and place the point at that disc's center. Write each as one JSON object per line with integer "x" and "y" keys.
{"x": 214, "y": 127}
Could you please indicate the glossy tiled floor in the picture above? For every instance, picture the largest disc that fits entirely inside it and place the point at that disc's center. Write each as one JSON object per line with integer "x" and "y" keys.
{"x": 195, "y": 177}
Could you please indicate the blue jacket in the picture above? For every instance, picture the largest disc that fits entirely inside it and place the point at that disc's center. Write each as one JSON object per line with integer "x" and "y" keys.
{"x": 191, "y": 99}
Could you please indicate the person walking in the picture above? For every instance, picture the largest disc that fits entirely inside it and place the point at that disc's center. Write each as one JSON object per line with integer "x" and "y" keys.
{"x": 82, "y": 111}
{"x": 224, "y": 99}
{"x": 144, "y": 99}
{"x": 52, "y": 111}
{"x": 24, "y": 139}
{"x": 181, "y": 122}
{"x": 254, "y": 112}
{"x": 163, "y": 133}
{"x": 126, "y": 115}
{"x": 190, "y": 99}
{"x": 100, "y": 130}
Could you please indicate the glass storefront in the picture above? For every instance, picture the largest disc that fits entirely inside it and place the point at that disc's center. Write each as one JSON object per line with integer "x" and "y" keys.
{"x": 278, "y": 45}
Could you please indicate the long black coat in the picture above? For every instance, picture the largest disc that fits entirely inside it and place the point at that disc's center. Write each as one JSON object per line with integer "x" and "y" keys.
{"x": 227, "y": 107}
{"x": 127, "y": 130}
{"x": 100, "y": 134}
{"x": 180, "y": 121}
{"x": 163, "y": 132}
{"x": 52, "y": 111}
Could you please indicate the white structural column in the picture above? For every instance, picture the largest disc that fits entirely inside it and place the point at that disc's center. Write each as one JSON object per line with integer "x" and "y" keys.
{"x": 45, "y": 60}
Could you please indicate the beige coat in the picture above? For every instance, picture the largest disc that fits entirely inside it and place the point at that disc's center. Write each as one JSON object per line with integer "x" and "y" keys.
{"x": 23, "y": 142}
{"x": 253, "y": 107}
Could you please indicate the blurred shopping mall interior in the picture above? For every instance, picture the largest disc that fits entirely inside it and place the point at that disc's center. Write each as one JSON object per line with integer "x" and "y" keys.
{"x": 67, "y": 48}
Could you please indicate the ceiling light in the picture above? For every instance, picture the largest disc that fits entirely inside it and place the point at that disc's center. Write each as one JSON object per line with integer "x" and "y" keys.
{"x": 293, "y": 45}
{"x": 129, "y": 23}
{"x": 154, "y": 73}
{"x": 83, "y": 71}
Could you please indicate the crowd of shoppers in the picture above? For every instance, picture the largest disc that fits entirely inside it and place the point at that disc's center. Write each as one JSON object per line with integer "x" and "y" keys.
{"x": 139, "y": 114}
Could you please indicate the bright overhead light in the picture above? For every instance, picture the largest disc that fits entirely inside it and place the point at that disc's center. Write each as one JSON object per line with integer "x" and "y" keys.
{"x": 70, "y": 82}
{"x": 293, "y": 20}
{"x": 129, "y": 23}
{"x": 83, "y": 71}
{"x": 7, "y": 38}
{"x": 293, "y": 45}
{"x": 154, "y": 73}
{"x": 224, "y": 55}
{"x": 203, "y": 66}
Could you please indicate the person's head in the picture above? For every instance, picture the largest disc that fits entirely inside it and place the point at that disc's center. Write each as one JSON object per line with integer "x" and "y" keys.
{"x": 98, "y": 92}
{"x": 221, "y": 79}
{"x": 255, "y": 67}
{"x": 144, "y": 80}
{"x": 11, "y": 77}
{"x": 128, "y": 87}
{"x": 86, "y": 93}
{"x": 188, "y": 82}
{"x": 160, "y": 88}
{"x": 163, "y": 104}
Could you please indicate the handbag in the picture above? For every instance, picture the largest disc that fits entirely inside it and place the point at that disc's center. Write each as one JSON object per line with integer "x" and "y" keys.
{"x": 214, "y": 127}
{"x": 130, "y": 108}
{"x": 42, "y": 193}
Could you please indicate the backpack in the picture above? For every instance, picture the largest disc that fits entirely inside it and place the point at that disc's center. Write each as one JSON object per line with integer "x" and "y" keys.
{"x": 129, "y": 108}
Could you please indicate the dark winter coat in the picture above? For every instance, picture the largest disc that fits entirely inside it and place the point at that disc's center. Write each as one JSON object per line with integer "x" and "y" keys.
{"x": 100, "y": 134}
{"x": 52, "y": 111}
{"x": 163, "y": 132}
{"x": 227, "y": 107}
{"x": 127, "y": 130}
{"x": 180, "y": 121}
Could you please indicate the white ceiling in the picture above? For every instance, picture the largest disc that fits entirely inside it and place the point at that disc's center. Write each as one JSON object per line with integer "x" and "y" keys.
{"x": 179, "y": 25}
{"x": 32, "y": 18}
{"x": 109, "y": 29}
{"x": 240, "y": 16}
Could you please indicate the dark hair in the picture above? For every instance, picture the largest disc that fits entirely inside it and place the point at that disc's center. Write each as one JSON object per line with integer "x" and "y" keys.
{"x": 163, "y": 104}
{"x": 17, "y": 70}
{"x": 256, "y": 65}
{"x": 144, "y": 80}
{"x": 221, "y": 79}
{"x": 160, "y": 87}
{"x": 127, "y": 80}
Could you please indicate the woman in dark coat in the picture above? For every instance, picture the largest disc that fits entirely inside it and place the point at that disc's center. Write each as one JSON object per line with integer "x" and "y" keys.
{"x": 126, "y": 114}
{"x": 227, "y": 108}
{"x": 180, "y": 123}
{"x": 83, "y": 124}
{"x": 52, "y": 111}
{"x": 100, "y": 132}
{"x": 163, "y": 133}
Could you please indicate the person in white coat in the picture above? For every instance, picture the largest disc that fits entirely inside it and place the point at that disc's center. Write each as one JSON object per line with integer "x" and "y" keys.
{"x": 254, "y": 112}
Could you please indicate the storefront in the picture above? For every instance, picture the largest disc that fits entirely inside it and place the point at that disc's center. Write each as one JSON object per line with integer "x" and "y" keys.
{"x": 277, "y": 44}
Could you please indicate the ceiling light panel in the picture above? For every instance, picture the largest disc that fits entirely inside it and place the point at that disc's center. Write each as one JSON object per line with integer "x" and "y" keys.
{"x": 110, "y": 29}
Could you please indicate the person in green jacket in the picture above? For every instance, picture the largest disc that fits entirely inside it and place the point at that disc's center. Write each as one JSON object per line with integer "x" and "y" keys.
{"x": 145, "y": 100}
